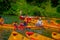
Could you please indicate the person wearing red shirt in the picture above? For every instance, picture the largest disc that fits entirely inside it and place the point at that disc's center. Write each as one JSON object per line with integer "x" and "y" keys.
{"x": 21, "y": 26}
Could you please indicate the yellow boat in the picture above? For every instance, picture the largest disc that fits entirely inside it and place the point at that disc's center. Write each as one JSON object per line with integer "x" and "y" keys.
{"x": 53, "y": 25}
{"x": 17, "y": 36}
{"x": 56, "y": 36}
{"x": 7, "y": 26}
{"x": 36, "y": 36}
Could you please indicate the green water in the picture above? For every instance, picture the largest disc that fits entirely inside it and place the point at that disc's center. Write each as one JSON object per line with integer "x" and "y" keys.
{"x": 10, "y": 19}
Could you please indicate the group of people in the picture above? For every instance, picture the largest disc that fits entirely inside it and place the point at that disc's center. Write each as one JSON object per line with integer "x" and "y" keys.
{"x": 27, "y": 20}
{"x": 24, "y": 23}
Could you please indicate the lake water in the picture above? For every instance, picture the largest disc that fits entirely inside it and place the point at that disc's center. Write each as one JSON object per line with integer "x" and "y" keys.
{"x": 10, "y": 19}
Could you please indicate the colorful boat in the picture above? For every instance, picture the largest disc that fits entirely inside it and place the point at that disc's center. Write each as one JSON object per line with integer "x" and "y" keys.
{"x": 56, "y": 35}
{"x": 17, "y": 36}
{"x": 36, "y": 36}
{"x": 7, "y": 26}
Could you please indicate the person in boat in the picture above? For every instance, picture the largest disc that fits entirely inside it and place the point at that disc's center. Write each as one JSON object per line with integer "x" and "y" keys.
{"x": 26, "y": 20}
{"x": 21, "y": 26}
{"x": 21, "y": 17}
{"x": 25, "y": 24}
{"x": 1, "y": 21}
{"x": 15, "y": 25}
{"x": 39, "y": 23}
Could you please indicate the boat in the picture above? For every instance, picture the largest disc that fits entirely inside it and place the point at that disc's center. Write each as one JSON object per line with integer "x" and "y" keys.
{"x": 36, "y": 36}
{"x": 17, "y": 36}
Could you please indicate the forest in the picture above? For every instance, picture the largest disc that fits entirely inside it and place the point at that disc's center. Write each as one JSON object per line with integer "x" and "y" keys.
{"x": 47, "y": 8}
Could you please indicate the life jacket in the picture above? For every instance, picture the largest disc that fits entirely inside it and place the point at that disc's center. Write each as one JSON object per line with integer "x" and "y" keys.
{"x": 15, "y": 26}
{"x": 27, "y": 19}
{"x": 29, "y": 33}
{"x": 21, "y": 18}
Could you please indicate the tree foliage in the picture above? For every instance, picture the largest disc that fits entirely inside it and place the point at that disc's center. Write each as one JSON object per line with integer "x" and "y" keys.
{"x": 37, "y": 13}
{"x": 5, "y": 5}
{"x": 58, "y": 9}
{"x": 30, "y": 7}
{"x": 36, "y": 2}
{"x": 54, "y": 3}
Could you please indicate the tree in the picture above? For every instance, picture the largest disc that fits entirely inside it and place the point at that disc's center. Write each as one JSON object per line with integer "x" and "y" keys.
{"x": 54, "y": 3}
{"x": 58, "y": 9}
{"x": 5, "y": 5}
{"x": 37, "y": 13}
{"x": 35, "y": 2}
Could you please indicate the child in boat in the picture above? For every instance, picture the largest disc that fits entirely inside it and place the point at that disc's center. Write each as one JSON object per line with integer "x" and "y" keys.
{"x": 26, "y": 21}
{"x": 1, "y": 21}
{"x": 15, "y": 25}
